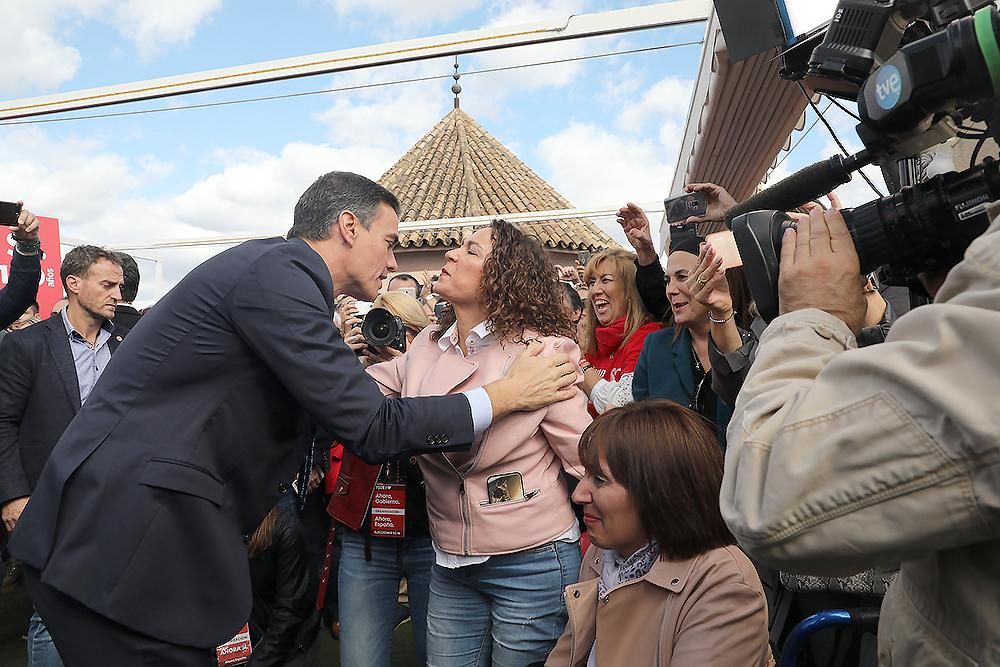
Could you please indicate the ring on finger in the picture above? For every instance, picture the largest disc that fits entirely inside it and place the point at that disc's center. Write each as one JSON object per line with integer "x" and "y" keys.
{"x": 703, "y": 280}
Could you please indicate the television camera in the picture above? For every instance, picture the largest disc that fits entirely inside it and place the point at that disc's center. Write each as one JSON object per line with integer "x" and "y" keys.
{"x": 920, "y": 70}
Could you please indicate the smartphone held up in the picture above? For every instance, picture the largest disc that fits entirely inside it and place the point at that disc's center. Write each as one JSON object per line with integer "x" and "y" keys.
{"x": 9, "y": 213}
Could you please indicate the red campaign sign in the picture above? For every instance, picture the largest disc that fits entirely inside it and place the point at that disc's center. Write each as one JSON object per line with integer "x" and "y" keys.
{"x": 237, "y": 650}
{"x": 50, "y": 287}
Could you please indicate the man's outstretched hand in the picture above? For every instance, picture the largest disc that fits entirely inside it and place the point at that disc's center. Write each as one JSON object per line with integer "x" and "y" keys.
{"x": 533, "y": 382}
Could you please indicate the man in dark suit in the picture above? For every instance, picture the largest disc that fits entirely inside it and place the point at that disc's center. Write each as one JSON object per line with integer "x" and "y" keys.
{"x": 125, "y": 313}
{"x": 48, "y": 371}
{"x": 132, "y": 543}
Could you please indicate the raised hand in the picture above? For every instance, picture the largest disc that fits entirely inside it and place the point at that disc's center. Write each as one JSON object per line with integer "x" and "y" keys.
{"x": 707, "y": 284}
{"x": 635, "y": 224}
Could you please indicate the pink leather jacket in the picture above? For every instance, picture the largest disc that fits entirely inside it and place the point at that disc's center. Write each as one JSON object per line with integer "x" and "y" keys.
{"x": 532, "y": 445}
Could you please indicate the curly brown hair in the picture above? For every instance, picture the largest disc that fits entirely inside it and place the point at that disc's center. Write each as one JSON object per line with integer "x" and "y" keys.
{"x": 519, "y": 289}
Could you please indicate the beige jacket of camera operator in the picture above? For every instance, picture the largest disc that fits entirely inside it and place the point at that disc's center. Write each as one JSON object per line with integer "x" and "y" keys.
{"x": 841, "y": 458}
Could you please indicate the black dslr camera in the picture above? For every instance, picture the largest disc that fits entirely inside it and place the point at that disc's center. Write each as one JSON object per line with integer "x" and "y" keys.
{"x": 383, "y": 329}
{"x": 918, "y": 97}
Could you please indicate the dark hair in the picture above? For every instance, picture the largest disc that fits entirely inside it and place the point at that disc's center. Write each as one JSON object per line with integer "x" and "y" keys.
{"x": 407, "y": 276}
{"x": 263, "y": 535}
{"x": 78, "y": 261}
{"x": 668, "y": 459}
{"x": 519, "y": 289}
{"x": 130, "y": 277}
{"x": 575, "y": 302}
{"x": 330, "y": 195}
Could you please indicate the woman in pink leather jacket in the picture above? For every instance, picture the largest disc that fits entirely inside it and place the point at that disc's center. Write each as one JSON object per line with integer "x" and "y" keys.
{"x": 505, "y": 537}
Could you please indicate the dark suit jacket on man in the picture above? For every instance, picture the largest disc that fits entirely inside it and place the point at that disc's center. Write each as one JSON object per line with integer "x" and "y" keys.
{"x": 197, "y": 424}
{"x": 39, "y": 398}
{"x": 126, "y": 316}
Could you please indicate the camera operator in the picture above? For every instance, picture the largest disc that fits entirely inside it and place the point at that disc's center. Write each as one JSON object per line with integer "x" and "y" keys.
{"x": 25, "y": 270}
{"x": 841, "y": 458}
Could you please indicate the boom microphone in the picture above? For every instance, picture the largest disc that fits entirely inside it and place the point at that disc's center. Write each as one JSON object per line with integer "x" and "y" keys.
{"x": 803, "y": 186}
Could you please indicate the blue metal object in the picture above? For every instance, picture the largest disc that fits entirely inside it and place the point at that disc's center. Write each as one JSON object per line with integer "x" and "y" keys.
{"x": 818, "y": 621}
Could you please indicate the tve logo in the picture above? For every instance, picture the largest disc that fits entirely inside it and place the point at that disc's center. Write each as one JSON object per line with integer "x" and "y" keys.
{"x": 888, "y": 86}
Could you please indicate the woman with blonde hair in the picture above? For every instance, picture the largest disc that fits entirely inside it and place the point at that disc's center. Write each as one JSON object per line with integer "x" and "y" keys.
{"x": 616, "y": 326}
{"x": 405, "y": 307}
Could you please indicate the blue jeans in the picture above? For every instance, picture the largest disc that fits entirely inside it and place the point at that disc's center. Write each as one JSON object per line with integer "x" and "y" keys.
{"x": 508, "y": 611}
{"x": 369, "y": 591}
{"x": 41, "y": 651}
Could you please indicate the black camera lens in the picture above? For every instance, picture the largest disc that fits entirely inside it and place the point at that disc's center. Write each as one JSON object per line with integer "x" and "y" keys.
{"x": 383, "y": 329}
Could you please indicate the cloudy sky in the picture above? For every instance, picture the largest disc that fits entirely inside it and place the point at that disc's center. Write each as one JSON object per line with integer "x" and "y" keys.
{"x": 602, "y": 131}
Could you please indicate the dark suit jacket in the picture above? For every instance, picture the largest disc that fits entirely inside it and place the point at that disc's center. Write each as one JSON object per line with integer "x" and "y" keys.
{"x": 664, "y": 371}
{"x": 22, "y": 287}
{"x": 126, "y": 316}
{"x": 196, "y": 426}
{"x": 39, "y": 398}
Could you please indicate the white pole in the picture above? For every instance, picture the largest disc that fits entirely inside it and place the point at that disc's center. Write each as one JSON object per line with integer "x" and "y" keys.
{"x": 573, "y": 27}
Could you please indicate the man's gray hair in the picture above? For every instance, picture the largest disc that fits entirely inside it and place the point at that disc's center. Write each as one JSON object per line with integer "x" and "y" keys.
{"x": 331, "y": 194}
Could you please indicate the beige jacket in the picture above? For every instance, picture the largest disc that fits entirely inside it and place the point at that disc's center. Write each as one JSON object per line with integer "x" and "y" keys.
{"x": 708, "y": 611}
{"x": 841, "y": 459}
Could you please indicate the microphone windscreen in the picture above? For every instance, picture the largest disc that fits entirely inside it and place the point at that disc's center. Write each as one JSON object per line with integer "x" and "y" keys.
{"x": 803, "y": 186}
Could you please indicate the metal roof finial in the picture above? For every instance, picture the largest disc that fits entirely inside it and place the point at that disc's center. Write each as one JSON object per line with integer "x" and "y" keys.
{"x": 457, "y": 87}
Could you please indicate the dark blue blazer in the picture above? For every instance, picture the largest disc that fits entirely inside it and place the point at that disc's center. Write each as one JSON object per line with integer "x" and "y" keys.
{"x": 40, "y": 397}
{"x": 664, "y": 371}
{"x": 196, "y": 426}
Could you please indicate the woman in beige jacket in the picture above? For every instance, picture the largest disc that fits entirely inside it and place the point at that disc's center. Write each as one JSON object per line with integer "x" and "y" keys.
{"x": 662, "y": 583}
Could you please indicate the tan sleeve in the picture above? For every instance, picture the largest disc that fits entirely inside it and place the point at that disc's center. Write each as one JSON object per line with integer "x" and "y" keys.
{"x": 723, "y": 623}
{"x": 559, "y": 656}
{"x": 843, "y": 458}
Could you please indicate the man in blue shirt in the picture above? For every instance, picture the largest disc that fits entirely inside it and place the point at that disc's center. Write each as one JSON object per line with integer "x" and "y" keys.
{"x": 49, "y": 371}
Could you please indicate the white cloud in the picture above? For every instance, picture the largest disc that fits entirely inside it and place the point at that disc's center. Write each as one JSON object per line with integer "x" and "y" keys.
{"x": 591, "y": 166}
{"x": 387, "y": 117}
{"x": 406, "y": 13}
{"x": 103, "y": 196}
{"x": 594, "y": 165}
{"x": 484, "y": 94}
{"x": 152, "y": 25}
{"x": 668, "y": 97}
{"x": 35, "y": 56}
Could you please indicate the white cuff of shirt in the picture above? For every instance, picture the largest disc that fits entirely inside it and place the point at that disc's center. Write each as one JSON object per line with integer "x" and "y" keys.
{"x": 482, "y": 409}
{"x": 607, "y": 394}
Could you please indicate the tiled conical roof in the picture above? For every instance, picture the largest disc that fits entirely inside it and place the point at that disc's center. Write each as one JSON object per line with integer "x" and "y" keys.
{"x": 459, "y": 170}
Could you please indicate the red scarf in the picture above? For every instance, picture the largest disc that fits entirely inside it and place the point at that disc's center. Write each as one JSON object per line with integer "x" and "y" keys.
{"x": 609, "y": 338}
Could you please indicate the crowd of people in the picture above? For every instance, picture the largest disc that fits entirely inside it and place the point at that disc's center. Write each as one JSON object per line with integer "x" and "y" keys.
{"x": 610, "y": 464}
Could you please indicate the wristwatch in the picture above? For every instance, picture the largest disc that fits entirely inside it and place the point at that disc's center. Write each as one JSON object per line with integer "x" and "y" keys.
{"x": 28, "y": 247}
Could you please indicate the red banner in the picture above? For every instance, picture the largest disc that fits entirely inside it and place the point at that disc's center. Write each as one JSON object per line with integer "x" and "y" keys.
{"x": 50, "y": 287}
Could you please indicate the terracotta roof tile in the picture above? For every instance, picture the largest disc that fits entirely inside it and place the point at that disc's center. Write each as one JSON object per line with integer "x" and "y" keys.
{"x": 460, "y": 170}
